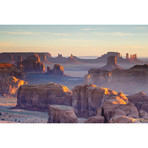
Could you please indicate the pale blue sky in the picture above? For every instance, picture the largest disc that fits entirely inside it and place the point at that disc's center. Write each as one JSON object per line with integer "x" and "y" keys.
{"x": 80, "y": 40}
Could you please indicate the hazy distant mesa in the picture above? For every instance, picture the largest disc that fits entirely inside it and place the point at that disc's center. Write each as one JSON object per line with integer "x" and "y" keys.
{"x": 47, "y": 58}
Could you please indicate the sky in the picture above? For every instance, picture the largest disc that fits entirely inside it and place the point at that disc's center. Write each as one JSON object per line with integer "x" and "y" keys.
{"x": 79, "y": 40}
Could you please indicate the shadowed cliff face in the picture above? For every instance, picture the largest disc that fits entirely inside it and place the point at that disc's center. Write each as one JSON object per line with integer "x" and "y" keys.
{"x": 127, "y": 80}
{"x": 38, "y": 97}
{"x": 32, "y": 64}
{"x": 111, "y": 64}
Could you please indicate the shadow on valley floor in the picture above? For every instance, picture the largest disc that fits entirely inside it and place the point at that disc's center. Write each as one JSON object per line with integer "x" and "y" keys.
{"x": 38, "y": 78}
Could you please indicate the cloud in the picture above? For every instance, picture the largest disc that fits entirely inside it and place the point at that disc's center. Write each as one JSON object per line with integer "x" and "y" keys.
{"x": 120, "y": 34}
{"x": 91, "y": 29}
{"x": 34, "y": 33}
{"x": 140, "y": 27}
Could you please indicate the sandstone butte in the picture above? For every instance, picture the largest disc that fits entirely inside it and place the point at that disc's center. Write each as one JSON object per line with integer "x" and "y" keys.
{"x": 32, "y": 64}
{"x": 98, "y": 105}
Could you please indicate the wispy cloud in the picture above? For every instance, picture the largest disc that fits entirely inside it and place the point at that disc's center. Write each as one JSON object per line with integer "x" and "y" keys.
{"x": 34, "y": 33}
{"x": 140, "y": 28}
{"x": 91, "y": 29}
{"x": 120, "y": 34}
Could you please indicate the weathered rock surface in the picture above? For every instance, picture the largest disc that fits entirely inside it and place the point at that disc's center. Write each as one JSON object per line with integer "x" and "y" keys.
{"x": 32, "y": 64}
{"x": 132, "y": 76}
{"x": 7, "y": 70}
{"x": 61, "y": 114}
{"x": 88, "y": 98}
{"x": 140, "y": 100}
{"x": 38, "y": 97}
{"x": 95, "y": 119}
{"x": 9, "y": 85}
{"x": 58, "y": 70}
{"x": 111, "y": 64}
{"x": 123, "y": 119}
{"x": 14, "y": 57}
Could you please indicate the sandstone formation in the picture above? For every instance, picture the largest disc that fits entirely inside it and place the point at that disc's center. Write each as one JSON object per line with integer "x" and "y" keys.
{"x": 58, "y": 70}
{"x": 7, "y": 70}
{"x": 88, "y": 98}
{"x": 95, "y": 119}
{"x": 134, "y": 75}
{"x": 140, "y": 100}
{"x": 38, "y": 97}
{"x": 123, "y": 119}
{"x": 111, "y": 64}
{"x": 10, "y": 79}
{"x": 61, "y": 114}
{"x": 9, "y": 86}
{"x": 14, "y": 57}
{"x": 32, "y": 64}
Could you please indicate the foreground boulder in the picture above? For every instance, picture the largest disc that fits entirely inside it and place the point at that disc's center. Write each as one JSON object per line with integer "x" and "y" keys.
{"x": 95, "y": 119}
{"x": 88, "y": 98}
{"x": 38, "y": 97}
{"x": 140, "y": 100}
{"x": 61, "y": 114}
{"x": 9, "y": 85}
{"x": 123, "y": 119}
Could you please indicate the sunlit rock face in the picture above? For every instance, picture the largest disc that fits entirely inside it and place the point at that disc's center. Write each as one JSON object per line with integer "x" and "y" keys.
{"x": 61, "y": 114}
{"x": 88, "y": 98}
{"x": 9, "y": 86}
{"x": 32, "y": 64}
{"x": 38, "y": 97}
{"x": 95, "y": 119}
{"x": 7, "y": 70}
{"x": 140, "y": 100}
{"x": 123, "y": 119}
{"x": 58, "y": 70}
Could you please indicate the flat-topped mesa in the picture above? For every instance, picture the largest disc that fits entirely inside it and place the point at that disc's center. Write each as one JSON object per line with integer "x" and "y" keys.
{"x": 12, "y": 57}
{"x": 140, "y": 67}
{"x": 39, "y": 97}
{"x": 58, "y": 70}
{"x": 111, "y": 64}
{"x": 61, "y": 114}
{"x": 137, "y": 75}
{"x": 33, "y": 64}
{"x": 9, "y": 86}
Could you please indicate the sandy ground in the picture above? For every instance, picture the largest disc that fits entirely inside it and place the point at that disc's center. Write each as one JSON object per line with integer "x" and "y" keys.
{"x": 8, "y": 115}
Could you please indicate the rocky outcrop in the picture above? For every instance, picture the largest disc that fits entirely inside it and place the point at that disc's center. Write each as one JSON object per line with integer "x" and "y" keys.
{"x": 14, "y": 57}
{"x": 61, "y": 114}
{"x": 123, "y": 119}
{"x": 133, "y": 76}
{"x": 7, "y": 70}
{"x": 111, "y": 64}
{"x": 38, "y": 97}
{"x": 88, "y": 98}
{"x": 10, "y": 79}
{"x": 9, "y": 86}
{"x": 32, "y": 64}
{"x": 95, "y": 119}
{"x": 58, "y": 70}
{"x": 140, "y": 100}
